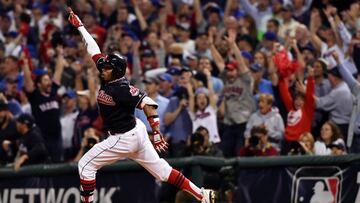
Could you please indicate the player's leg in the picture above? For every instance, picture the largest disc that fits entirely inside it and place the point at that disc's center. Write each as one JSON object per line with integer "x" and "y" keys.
{"x": 114, "y": 148}
{"x": 161, "y": 170}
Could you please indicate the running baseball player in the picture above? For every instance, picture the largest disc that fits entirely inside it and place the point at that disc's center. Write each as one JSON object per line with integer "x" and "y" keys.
{"x": 128, "y": 137}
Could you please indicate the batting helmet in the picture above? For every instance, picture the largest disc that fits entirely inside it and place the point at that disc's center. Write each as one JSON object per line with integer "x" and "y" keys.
{"x": 117, "y": 62}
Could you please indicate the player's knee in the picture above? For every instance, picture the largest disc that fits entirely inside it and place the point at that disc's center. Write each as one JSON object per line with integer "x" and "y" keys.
{"x": 83, "y": 167}
{"x": 165, "y": 172}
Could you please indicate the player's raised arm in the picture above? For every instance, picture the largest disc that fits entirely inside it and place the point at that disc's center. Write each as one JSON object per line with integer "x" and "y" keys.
{"x": 91, "y": 45}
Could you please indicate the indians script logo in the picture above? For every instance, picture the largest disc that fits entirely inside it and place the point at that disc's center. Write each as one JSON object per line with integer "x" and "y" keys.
{"x": 105, "y": 99}
{"x": 317, "y": 185}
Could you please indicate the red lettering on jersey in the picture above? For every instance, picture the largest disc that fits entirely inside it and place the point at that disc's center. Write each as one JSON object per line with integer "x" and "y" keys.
{"x": 134, "y": 91}
{"x": 103, "y": 98}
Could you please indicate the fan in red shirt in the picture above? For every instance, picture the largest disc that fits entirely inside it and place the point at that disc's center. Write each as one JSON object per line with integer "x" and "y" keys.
{"x": 301, "y": 109}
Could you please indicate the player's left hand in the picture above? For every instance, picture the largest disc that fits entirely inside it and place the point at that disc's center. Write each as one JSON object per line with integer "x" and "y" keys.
{"x": 159, "y": 142}
{"x": 74, "y": 19}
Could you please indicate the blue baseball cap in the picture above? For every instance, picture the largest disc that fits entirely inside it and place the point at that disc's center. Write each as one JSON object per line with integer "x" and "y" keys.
{"x": 39, "y": 71}
{"x": 246, "y": 55}
{"x": 12, "y": 34}
{"x": 70, "y": 93}
{"x": 256, "y": 67}
{"x": 174, "y": 71}
{"x": 129, "y": 33}
{"x": 165, "y": 77}
{"x": 202, "y": 90}
{"x": 271, "y": 36}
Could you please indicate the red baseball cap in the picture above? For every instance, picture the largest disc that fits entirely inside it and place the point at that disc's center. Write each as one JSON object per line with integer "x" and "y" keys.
{"x": 232, "y": 65}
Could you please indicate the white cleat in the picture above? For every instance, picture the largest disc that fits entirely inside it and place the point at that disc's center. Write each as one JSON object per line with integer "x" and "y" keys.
{"x": 208, "y": 196}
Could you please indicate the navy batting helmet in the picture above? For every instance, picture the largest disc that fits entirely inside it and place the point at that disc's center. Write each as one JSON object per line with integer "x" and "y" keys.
{"x": 117, "y": 62}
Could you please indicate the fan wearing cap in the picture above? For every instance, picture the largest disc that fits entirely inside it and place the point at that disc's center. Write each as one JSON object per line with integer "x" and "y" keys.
{"x": 166, "y": 85}
{"x": 45, "y": 107}
{"x": 287, "y": 29}
{"x": 238, "y": 103}
{"x": 192, "y": 61}
{"x": 148, "y": 60}
{"x": 152, "y": 90}
{"x": 32, "y": 148}
{"x": 338, "y": 103}
{"x": 337, "y": 148}
{"x": 261, "y": 85}
{"x": 268, "y": 41}
{"x": 8, "y": 134}
{"x": 184, "y": 40}
{"x": 203, "y": 109}
{"x": 68, "y": 117}
{"x": 128, "y": 137}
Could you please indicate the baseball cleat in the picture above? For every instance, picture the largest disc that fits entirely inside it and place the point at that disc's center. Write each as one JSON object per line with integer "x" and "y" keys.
{"x": 208, "y": 196}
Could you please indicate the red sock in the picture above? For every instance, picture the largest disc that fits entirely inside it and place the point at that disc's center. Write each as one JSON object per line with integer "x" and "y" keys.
{"x": 180, "y": 181}
{"x": 87, "y": 188}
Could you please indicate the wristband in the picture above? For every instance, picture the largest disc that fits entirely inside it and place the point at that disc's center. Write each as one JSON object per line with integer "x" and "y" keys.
{"x": 154, "y": 121}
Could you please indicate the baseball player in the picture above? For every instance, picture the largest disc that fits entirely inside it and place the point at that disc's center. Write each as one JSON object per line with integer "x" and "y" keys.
{"x": 128, "y": 137}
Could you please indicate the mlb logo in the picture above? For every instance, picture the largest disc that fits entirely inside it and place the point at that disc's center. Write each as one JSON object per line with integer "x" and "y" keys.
{"x": 317, "y": 185}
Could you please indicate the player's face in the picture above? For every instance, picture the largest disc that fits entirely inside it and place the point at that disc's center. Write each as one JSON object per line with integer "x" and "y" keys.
{"x": 106, "y": 73}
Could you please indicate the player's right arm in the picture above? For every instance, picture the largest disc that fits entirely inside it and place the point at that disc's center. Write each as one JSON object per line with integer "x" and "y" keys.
{"x": 149, "y": 107}
{"x": 91, "y": 45}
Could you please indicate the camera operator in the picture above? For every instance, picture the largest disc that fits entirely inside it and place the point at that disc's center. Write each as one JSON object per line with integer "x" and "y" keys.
{"x": 89, "y": 140}
{"x": 200, "y": 145}
{"x": 258, "y": 144}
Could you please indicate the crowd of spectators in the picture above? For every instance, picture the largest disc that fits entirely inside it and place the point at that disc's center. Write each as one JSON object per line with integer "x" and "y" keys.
{"x": 231, "y": 78}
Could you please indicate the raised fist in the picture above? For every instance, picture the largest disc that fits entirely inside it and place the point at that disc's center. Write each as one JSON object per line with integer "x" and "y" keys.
{"x": 74, "y": 19}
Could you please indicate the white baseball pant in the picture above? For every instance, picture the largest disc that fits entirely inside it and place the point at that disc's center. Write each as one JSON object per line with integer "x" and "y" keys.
{"x": 134, "y": 144}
